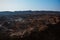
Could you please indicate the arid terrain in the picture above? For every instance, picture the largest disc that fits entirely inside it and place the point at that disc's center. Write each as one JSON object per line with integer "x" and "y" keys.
{"x": 36, "y": 25}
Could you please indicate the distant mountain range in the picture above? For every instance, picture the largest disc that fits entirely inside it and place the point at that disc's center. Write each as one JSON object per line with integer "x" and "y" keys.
{"x": 28, "y": 12}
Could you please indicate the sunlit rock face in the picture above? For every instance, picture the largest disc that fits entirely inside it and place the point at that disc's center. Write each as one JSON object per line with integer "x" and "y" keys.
{"x": 34, "y": 24}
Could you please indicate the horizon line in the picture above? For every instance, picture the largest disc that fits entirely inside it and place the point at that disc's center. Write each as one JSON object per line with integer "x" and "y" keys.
{"x": 29, "y": 10}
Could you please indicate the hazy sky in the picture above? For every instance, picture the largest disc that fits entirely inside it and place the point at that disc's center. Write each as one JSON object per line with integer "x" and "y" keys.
{"x": 17, "y": 5}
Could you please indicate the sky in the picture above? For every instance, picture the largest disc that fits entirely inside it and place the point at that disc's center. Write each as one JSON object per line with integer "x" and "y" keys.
{"x": 21, "y": 5}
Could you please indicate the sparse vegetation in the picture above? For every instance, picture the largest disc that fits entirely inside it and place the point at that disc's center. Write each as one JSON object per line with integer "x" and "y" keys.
{"x": 30, "y": 26}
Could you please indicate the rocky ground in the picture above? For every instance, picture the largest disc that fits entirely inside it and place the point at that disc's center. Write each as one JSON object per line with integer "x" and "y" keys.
{"x": 32, "y": 27}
